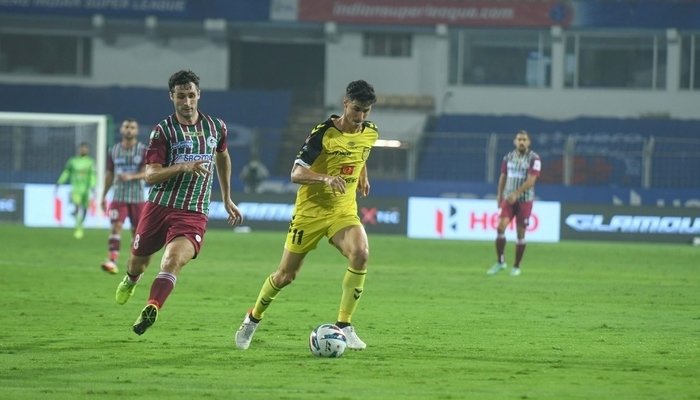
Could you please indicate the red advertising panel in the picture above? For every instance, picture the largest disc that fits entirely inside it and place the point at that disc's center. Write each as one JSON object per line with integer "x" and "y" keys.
{"x": 507, "y": 13}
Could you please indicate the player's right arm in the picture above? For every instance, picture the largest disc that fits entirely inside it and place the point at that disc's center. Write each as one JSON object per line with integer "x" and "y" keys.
{"x": 157, "y": 173}
{"x": 305, "y": 176}
{"x": 502, "y": 182}
{"x": 109, "y": 179}
{"x": 65, "y": 175}
{"x": 301, "y": 169}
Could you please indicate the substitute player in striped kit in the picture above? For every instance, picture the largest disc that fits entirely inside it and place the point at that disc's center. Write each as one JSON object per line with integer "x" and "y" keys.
{"x": 181, "y": 156}
{"x": 516, "y": 193}
{"x": 124, "y": 174}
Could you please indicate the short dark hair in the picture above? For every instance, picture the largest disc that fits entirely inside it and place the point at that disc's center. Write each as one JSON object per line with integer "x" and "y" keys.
{"x": 361, "y": 91}
{"x": 182, "y": 78}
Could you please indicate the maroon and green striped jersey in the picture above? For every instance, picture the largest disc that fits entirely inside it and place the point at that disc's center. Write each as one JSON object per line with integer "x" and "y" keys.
{"x": 172, "y": 143}
{"x": 121, "y": 160}
{"x": 517, "y": 167}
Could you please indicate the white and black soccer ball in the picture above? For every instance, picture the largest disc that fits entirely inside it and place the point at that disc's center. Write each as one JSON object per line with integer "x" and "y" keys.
{"x": 327, "y": 340}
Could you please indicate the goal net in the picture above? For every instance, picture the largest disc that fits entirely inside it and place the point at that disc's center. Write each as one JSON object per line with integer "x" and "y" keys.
{"x": 35, "y": 149}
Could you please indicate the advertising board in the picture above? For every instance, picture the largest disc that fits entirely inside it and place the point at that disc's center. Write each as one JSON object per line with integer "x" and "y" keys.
{"x": 468, "y": 219}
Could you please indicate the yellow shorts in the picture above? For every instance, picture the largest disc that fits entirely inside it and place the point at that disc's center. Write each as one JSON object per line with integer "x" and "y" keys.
{"x": 305, "y": 232}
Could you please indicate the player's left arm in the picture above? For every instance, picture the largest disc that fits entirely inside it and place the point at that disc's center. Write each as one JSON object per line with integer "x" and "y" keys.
{"x": 223, "y": 172}
{"x": 363, "y": 185}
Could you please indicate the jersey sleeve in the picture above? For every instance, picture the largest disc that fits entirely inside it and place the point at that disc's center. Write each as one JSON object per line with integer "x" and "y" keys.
{"x": 535, "y": 166}
{"x": 110, "y": 162}
{"x": 222, "y": 145}
{"x": 312, "y": 147}
{"x": 142, "y": 156}
{"x": 65, "y": 174}
{"x": 156, "y": 152}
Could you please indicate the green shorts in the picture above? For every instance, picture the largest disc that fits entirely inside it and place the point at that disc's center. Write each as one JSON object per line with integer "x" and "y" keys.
{"x": 80, "y": 197}
{"x": 305, "y": 232}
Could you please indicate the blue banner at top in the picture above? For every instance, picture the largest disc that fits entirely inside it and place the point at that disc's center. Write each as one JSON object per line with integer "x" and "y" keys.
{"x": 636, "y": 14}
{"x": 231, "y": 10}
{"x": 651, "y": 14}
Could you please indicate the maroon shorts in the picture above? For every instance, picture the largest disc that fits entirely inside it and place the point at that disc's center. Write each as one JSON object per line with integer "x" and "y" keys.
{"x": 520, "y": 210}
{"x": 118, "y": 211}
{"x": 161, "y": 225}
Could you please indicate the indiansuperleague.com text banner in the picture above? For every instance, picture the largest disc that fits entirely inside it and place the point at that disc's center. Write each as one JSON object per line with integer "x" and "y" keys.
{"x": 541, "y": 13}
{"x": 467, "y": 219}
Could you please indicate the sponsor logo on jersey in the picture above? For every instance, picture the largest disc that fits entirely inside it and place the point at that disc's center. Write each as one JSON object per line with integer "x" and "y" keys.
{"x": 195, "y": 133}
{"x": 185, "y": 144}
{"x": 339, "y": 153}
{"x": 183, "y": 158}
{"x": 154, "y": 134}
{"x": 347, "y": 169}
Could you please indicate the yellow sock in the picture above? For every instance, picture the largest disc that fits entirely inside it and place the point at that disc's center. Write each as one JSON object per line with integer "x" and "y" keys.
{"x": 268, "y": 292}
{"x": 353, "y": 284}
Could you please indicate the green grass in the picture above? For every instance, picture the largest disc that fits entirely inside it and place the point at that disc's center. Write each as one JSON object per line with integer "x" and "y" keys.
{"x": 585, "y": 320}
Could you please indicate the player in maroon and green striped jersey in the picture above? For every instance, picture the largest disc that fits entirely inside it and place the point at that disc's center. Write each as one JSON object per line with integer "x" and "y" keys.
{"x": 126, "y": 163}
{"x": 516, "y": 192}
{"x": 183, "y": 151}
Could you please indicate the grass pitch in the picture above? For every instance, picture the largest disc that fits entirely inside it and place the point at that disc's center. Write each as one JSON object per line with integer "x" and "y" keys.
{"x": 584, "y": 321}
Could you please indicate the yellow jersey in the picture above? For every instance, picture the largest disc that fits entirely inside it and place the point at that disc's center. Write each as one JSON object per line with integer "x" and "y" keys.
{"x": 329, "y": 151}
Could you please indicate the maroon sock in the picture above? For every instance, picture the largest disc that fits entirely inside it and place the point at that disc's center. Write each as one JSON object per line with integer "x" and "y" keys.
{"x": 519, "y": 251}
{"x": 161, "y": 288}
{"x": 500, "y": 248}
{"x": 113, "y": 245}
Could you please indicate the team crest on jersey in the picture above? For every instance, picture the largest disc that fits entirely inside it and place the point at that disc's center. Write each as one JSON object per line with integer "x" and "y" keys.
{"x": 365, "y": 153}
{"x": 211, "y": 142}
{"x": 347, "y": 169}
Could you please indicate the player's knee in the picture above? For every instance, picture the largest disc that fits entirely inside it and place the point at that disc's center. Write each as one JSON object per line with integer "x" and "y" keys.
{"x": 359, "y": 258}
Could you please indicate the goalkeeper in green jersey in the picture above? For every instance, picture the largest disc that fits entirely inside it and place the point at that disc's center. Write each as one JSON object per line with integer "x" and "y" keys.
{"x": 80, "y": 172}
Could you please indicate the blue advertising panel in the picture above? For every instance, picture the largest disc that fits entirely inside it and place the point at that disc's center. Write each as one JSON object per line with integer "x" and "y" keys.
{"x": 237, "y": 10}
{"x": 636, "y": 14}
{"x": 273, "y": 213}
{"x": 11, "y": 204}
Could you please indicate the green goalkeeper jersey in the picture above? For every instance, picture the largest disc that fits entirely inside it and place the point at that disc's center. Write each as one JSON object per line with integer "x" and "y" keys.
{"x": 80, "y": 173}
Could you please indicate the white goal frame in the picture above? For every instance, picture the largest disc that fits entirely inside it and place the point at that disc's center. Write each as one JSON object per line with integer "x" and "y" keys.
{"x": 43, "y": 119}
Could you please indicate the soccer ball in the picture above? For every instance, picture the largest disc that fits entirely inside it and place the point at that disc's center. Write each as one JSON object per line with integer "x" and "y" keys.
{"x": 327, "y": 340}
